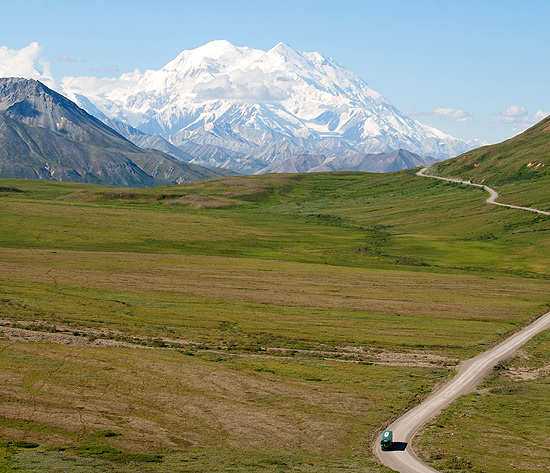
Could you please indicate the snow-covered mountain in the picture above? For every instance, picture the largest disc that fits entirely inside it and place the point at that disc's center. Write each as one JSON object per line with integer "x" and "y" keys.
{"x": 244, "y": 108}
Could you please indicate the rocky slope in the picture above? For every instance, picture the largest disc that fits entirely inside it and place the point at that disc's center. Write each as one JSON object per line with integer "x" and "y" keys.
{"x": 43, "y": 135}
{"x": 379, "y": 162}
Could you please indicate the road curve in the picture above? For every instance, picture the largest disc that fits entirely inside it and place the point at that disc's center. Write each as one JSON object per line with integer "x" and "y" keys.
{"x": 470, "y": 374}
{"x": 493, "y": 194}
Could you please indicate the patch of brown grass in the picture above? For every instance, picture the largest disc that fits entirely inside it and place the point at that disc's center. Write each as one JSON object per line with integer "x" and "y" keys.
{"x": 163, "y": 401}
{"x": 32, "y": 332}
{"x": 201, "y": 202}
{"x": 81, "y": 195}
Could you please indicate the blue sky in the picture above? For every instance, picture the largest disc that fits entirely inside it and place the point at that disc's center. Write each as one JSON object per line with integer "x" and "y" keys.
{"x": 473, "y": 69}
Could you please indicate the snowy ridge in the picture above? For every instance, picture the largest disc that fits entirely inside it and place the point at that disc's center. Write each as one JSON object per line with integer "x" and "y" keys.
{"x": 238, "y": 101}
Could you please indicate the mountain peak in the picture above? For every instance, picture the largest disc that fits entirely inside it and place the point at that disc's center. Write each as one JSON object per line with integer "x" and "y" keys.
{"x": 240, "y": 99}
{"x": 282, "y": 46}
{"x": 13, "y": 83}
{"x": 212, "y": 58}
{"x": 222, "y": 51}
{"x": 15, "y": 91}
{"x": 216, "y": 48}
{"x": 284, "y": 51}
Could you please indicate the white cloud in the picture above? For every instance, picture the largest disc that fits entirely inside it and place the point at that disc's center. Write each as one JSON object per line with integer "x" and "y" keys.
{"x": 90, "y": 85}
{"x": 540, "y": 115}
{"x": 224, "y": 88}
{"x": 25, "y": 62}
{"x": 519, "y": 118}
{"x": 454, "y": 114}
{"x": 248, "y": 86}
{"x": 112, "y": 68}
{"x": 513, "y": 114}
{"x": 65, "y": 58}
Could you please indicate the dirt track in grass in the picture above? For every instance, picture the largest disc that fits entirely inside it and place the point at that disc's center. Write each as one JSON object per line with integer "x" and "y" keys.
{"x": 35, "y": 332}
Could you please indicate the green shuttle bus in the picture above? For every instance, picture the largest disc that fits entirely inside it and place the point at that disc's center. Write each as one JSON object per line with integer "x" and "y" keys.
{"x": 386, "y": 441}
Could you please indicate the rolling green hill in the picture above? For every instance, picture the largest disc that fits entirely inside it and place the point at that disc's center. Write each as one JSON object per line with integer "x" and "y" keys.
{"x": 519, "y": 167}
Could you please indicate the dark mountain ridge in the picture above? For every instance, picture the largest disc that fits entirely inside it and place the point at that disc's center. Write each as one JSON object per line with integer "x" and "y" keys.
{"x": 377, "y": 162}
{"x": 43, "y": 135}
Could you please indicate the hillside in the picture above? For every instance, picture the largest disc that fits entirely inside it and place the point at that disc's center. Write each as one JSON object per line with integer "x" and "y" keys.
{"x": 516, "y": 167}
{"x": 523, "y": 157}
{"x": 43, "y": 135}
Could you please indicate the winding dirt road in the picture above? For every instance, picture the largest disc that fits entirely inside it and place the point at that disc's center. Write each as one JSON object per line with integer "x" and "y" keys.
{"x": 470, "y": 374}
{"x": 493, "y": 194}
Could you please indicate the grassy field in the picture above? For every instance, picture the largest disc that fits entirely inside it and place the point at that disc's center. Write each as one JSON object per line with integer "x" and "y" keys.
{"x": 342, "y": 219}
{"x": 165, "y": 402}
{"x": 265, "y": 323}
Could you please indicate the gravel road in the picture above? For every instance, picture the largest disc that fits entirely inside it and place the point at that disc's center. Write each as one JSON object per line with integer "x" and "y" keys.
{"x": 493, "y": 194}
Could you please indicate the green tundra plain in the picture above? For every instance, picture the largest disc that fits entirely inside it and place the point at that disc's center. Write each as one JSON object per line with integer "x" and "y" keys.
{"x": 264, "y": 323}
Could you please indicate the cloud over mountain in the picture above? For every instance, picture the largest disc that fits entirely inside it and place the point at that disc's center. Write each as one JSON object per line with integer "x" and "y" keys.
{"x": 25, "y": 62}
{"x": 245, "y": 86}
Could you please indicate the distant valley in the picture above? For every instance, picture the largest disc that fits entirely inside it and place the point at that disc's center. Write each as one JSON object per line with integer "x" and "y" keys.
{"x": 274, "y": 320}
{"x": 277, "y": 320}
